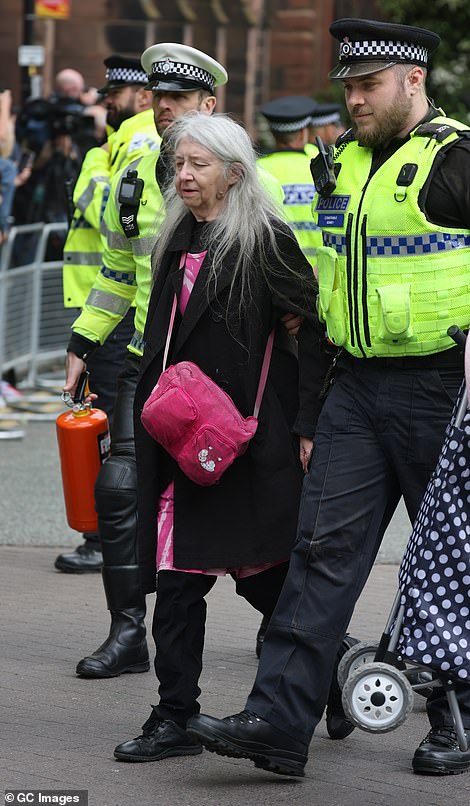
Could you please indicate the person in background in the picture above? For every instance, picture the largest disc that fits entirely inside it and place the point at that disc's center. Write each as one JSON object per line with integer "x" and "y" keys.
{"x": 129, "y": 112}
{"x": 243, "y": 270}
{"x": 393, "y": 277}
{"x": 288, "y": 119}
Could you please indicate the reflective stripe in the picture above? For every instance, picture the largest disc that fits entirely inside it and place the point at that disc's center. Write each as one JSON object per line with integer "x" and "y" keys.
{"x": 304, "y": 226}
{"x": 83, "y": 258}
{"x": 137, "y": 341}
{"x": 115, "y": 240}
{"x": 309, "y": 251}
{"x": 108, "y": 302}
{"x": 390, "y": 246}
{"x": 393, "y": 245}
{"x": 87, "y": 196}
{"x": 80, "y": 223}
{"x": 338, "y": 242}
{"x": 124, "y": 277}
{"x": 143, "y": 246}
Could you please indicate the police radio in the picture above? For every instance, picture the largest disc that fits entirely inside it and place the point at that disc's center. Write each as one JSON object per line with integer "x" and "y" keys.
{"x": 322, "y": 169}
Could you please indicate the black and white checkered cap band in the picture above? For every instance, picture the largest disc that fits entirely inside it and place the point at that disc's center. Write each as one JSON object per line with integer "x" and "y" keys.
{"x": 289, "y": 125}
{"x": 126, "y": 75}
{"x": 168, "y": 68}
{"x": 381, "y": 49}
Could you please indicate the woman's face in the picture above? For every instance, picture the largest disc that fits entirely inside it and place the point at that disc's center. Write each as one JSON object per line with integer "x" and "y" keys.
{"x": 200, "y": 180}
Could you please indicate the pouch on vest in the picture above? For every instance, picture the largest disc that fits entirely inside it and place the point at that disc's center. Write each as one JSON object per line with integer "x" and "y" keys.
{"x": 394, "y": 315}
{"x": 330, "y": 297}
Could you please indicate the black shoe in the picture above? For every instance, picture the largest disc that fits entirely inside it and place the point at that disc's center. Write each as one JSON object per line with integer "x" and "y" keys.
{"x": 337, "y": 723}
{"x": 246, "y": 735}
{"x": 159, "y": 739}
{"x": 260, "y": 635}
{"x": 125, "y": 649}
{"x": 83, "y": 560}
{"x": 439, "y": 754}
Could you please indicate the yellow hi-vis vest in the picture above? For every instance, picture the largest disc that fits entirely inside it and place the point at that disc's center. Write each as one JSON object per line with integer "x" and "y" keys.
{"x": 83, "y": 248}
{"x": 126, "y": 271}
{"x": 390, "y": 281}
{"x": 292, "y": 170}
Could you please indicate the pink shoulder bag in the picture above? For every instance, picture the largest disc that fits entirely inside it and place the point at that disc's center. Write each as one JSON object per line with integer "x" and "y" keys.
{"x": 197, "y": 422}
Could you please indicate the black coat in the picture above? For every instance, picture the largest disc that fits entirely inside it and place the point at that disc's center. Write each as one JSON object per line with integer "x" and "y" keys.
{"x": 250, "y": 516}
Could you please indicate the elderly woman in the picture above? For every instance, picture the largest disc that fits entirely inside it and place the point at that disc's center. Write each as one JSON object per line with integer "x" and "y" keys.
{"x": 236, "y": 269}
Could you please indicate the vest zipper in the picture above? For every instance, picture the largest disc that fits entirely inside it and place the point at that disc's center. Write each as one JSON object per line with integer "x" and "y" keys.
{"x": 349, "y": 273}
{"x": 356, "y": 270}
{"x": 365, "y": 310}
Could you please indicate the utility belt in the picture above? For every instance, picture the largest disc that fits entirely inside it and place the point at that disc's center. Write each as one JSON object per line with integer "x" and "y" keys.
{"x": 446, "y": 359}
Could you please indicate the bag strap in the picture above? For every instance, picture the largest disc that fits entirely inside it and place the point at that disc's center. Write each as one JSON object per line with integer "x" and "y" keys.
{"x": 264, "y": 373}
{"x": 264, "y": 368}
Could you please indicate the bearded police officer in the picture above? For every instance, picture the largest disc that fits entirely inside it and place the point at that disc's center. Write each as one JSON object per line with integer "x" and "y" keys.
{"x": 393, "y": 276}
{"x": 288, "y": 119}
{"x": 130, "y": 118}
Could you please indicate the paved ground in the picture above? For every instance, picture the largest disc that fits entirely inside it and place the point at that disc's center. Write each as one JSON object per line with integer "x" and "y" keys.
{"x": 58, "y": 732}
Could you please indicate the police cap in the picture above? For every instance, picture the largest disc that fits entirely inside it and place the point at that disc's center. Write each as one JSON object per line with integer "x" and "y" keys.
{"x": 368, "y": 46}
{"x": 326, "y": 114}
{"x": 289, "y": 113}
{"x": 172, "y": 67}
{"x": 122, "y": 72}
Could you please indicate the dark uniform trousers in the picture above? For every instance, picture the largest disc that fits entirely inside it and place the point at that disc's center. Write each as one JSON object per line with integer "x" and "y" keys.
{"x": 379, "y": 437}
{"x": 105, "y": 366}
{"x": 116, "y": 485}
{"x": 179, "y": 628}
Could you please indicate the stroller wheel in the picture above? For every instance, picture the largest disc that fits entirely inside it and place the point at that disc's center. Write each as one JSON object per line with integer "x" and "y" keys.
{"x": 377, "y": 698}
{"x": 355, "y": 658}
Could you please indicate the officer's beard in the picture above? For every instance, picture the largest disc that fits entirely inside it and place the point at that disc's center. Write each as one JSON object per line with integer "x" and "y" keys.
{"x": 390, "y": 122}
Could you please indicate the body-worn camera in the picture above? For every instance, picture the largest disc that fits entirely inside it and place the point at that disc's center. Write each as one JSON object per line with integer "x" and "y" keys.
{"x": 322, "y": 169}
{"x": 131, "y": 189}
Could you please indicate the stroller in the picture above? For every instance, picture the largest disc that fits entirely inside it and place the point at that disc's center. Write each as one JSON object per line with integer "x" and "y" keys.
{"x": 426, "y": 641}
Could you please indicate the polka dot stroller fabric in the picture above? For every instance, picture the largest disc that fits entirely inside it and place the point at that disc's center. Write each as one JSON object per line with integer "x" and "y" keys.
{"x": 435, "y": 571}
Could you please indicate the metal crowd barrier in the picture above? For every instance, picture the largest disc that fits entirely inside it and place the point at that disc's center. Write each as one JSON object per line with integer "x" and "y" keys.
{"x": 34, "y": 325}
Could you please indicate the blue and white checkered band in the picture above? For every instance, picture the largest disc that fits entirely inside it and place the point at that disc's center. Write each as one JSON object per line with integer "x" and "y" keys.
{"x": 381, "y": 50}
{"x": 168, "y": 68}
{"x": 402, "y": 245}
{"x": 126, "y": 75}
{"x": 289, "y": 125}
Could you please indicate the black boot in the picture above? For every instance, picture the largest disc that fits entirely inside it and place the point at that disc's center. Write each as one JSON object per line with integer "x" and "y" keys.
{"x": 125, "y": 649}
{"x": 85, "y": 559}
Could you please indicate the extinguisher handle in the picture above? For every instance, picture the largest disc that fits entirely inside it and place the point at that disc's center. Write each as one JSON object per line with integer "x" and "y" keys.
{"x": 83, "y": 388}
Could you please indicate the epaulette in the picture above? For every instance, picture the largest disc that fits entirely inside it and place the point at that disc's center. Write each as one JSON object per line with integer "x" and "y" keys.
{"x": 439, "y": 131}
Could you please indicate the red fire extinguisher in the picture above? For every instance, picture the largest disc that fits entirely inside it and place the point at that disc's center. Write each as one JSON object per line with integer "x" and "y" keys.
{"x": 84, "y": 444}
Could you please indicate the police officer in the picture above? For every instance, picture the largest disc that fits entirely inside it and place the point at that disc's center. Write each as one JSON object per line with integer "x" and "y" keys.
{"x": 181, "y": 79}
{"x": 130, "y": 119}
{"x": 393, "y": 276}
{"x": 288, "y": 119}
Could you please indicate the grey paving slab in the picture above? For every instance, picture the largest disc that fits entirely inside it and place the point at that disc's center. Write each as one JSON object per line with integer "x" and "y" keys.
{"x": 58, "y": 731}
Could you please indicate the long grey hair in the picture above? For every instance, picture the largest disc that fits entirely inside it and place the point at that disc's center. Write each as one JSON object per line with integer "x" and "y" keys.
{"x": 249, "y": 215}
